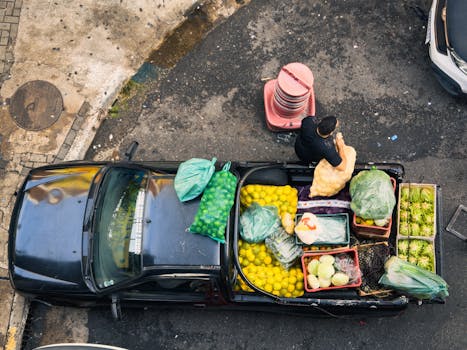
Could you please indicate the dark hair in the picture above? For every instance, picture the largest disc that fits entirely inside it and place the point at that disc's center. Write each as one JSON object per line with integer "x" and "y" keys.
{"x": 327, "y": 125}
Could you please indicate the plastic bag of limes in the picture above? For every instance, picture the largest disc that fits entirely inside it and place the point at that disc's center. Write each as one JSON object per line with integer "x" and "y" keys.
{"x": 216, "y": 202}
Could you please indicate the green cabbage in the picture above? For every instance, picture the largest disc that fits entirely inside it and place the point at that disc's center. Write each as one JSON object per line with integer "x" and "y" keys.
{"x": 372, "y": 194}
{"x": 427, "y": 195}
{"x": 414, "y": 194}
{"x": 405, "y": 194}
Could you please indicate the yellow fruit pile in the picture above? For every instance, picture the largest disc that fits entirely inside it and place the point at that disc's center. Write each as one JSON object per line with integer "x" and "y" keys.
{"x": 263, "y": 270}
{"x": 285, "y": 198}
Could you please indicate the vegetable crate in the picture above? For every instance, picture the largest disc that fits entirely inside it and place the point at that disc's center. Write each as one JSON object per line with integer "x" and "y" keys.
{"x": 373, "y": 231}
{"x": 419, "y": 251}
{"x": 351, "y": 253}
{"x": 343, "y": 218}
{"x": 416, "y": 210}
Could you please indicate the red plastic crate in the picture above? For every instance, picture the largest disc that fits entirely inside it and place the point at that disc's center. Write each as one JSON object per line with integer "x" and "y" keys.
{"x": 373, "y": 231}
{"x": 306, "y": 257}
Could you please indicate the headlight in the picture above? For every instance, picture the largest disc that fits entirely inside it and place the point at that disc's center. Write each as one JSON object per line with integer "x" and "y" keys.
{"x": 459, "y": 61}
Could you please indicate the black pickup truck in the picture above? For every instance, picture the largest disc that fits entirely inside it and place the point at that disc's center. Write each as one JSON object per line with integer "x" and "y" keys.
{"x": 90, "y": 234}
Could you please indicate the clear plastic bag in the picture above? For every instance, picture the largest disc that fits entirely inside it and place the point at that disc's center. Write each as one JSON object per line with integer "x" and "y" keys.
{"x": 258, "y": 222}
{"x": 372, "y": 194}
{"x": 346, "y": 264}
{"x": 192, "y": 177}
{"x": 284, "y": 248}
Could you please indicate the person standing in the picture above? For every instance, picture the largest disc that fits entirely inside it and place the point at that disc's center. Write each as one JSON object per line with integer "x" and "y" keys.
{"x": 315, "y": 142}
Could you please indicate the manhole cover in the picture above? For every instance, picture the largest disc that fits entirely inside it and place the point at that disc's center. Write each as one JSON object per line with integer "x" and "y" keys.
{"x": 36, "y": 105}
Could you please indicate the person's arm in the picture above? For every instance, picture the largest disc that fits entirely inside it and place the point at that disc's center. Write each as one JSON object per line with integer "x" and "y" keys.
{"x": 340, "y": 144}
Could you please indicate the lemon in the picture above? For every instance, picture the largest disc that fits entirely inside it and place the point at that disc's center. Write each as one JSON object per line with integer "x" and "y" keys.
{"x": 268, "y": 287}
{"x": 291, "y": 288}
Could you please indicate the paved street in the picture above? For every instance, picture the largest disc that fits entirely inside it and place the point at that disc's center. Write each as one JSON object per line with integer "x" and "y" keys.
{"x": 372, "y": 70}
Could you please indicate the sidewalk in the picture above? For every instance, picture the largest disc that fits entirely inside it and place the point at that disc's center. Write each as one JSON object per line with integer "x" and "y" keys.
{"x": 74, "y": 57}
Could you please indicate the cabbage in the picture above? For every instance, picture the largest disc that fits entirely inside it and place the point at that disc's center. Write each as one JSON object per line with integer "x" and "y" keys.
{"x": 429, "y": 219}
{"x": 414, "y": 194}
{"x": 425, "y": 263}
{"x": 404, "y": 215}
{"x": 415, "y": 247}
{"x": 404, "y": 229}
{"x": 403, "y": 246}
{"x": 372, "y": 194}
{"x": 428, "y": 251}
{"x": 426, "y": 230}
{"x": 405, "y": 194}
{"x": 427, "y": 195}
{"x": 414, "y": 229}
{"x": 416, "y": 215}
{"x": 405, "y": 204}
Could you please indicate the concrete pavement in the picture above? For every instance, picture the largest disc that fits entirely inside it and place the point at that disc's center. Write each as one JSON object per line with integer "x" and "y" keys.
{"x": 86, "y": 50}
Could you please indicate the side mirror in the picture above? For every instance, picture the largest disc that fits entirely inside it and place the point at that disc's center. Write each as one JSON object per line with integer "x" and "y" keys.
{"x": 130, "y": 152}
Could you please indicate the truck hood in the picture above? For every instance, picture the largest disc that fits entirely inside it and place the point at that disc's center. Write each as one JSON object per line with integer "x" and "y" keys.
{"x": 46, "y": 253}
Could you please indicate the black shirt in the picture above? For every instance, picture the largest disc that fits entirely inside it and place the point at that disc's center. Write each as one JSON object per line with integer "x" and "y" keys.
{"x": 310, "y": 147}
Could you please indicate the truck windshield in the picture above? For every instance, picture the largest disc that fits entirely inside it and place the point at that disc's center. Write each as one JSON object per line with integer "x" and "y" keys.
{"x": 117, "y": 226}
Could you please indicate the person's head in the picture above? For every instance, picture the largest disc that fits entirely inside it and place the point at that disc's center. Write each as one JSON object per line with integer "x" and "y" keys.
{"x": 327, "y": 125}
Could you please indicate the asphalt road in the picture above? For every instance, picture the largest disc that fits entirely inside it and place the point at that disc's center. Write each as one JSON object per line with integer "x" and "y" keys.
{"x": 372, "y": 70}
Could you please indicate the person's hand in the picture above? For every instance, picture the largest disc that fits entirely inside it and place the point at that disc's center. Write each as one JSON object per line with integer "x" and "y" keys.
{"x": 339, "y": 140}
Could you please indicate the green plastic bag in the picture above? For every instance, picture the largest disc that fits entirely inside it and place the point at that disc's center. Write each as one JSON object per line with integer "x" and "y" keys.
{"x": 192, "y": 177}
{"x": 216, "y": 203}
{"x": 413, "y": 280}
{"x": 259, "y": 222}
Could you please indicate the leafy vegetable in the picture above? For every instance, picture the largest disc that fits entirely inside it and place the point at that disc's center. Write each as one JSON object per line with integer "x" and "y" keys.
{"x": 403, "y": 246}
{"x": 415, "y": 247}
{"x": 404, "y": 229}
{"x": 413, "y": 280}
{"x": 405, "y": 194}
{"x": 404, "y": 215}
{"x": 416, "y": 215}
{"x": 414, "y": 194}
{"x": 427, "y": 195}
{"x": 404, "y": 204}
{"x": 426, "y": 230}
{"x": 414, "y": 229}
{"x": 372, "y": 194}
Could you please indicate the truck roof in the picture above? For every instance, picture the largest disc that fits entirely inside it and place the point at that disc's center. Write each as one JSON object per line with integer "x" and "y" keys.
{"x": 166, "y": 238}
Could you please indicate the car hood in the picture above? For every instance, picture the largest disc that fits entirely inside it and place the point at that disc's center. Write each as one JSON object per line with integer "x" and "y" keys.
{"x": 456, "y": 14}
{"x": 46, "y": 237}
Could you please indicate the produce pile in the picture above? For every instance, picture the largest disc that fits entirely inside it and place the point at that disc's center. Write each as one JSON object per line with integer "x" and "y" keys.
{"x": 417, "y": 251}
{"x": 328, "y": 271}
{"x": 417, "y": 211}
{"x": 265, "y": 272}
{"x": 285, "y": 198}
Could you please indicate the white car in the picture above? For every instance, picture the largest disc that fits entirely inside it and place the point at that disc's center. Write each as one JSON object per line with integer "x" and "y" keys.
{"x": 447, "y": 38}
